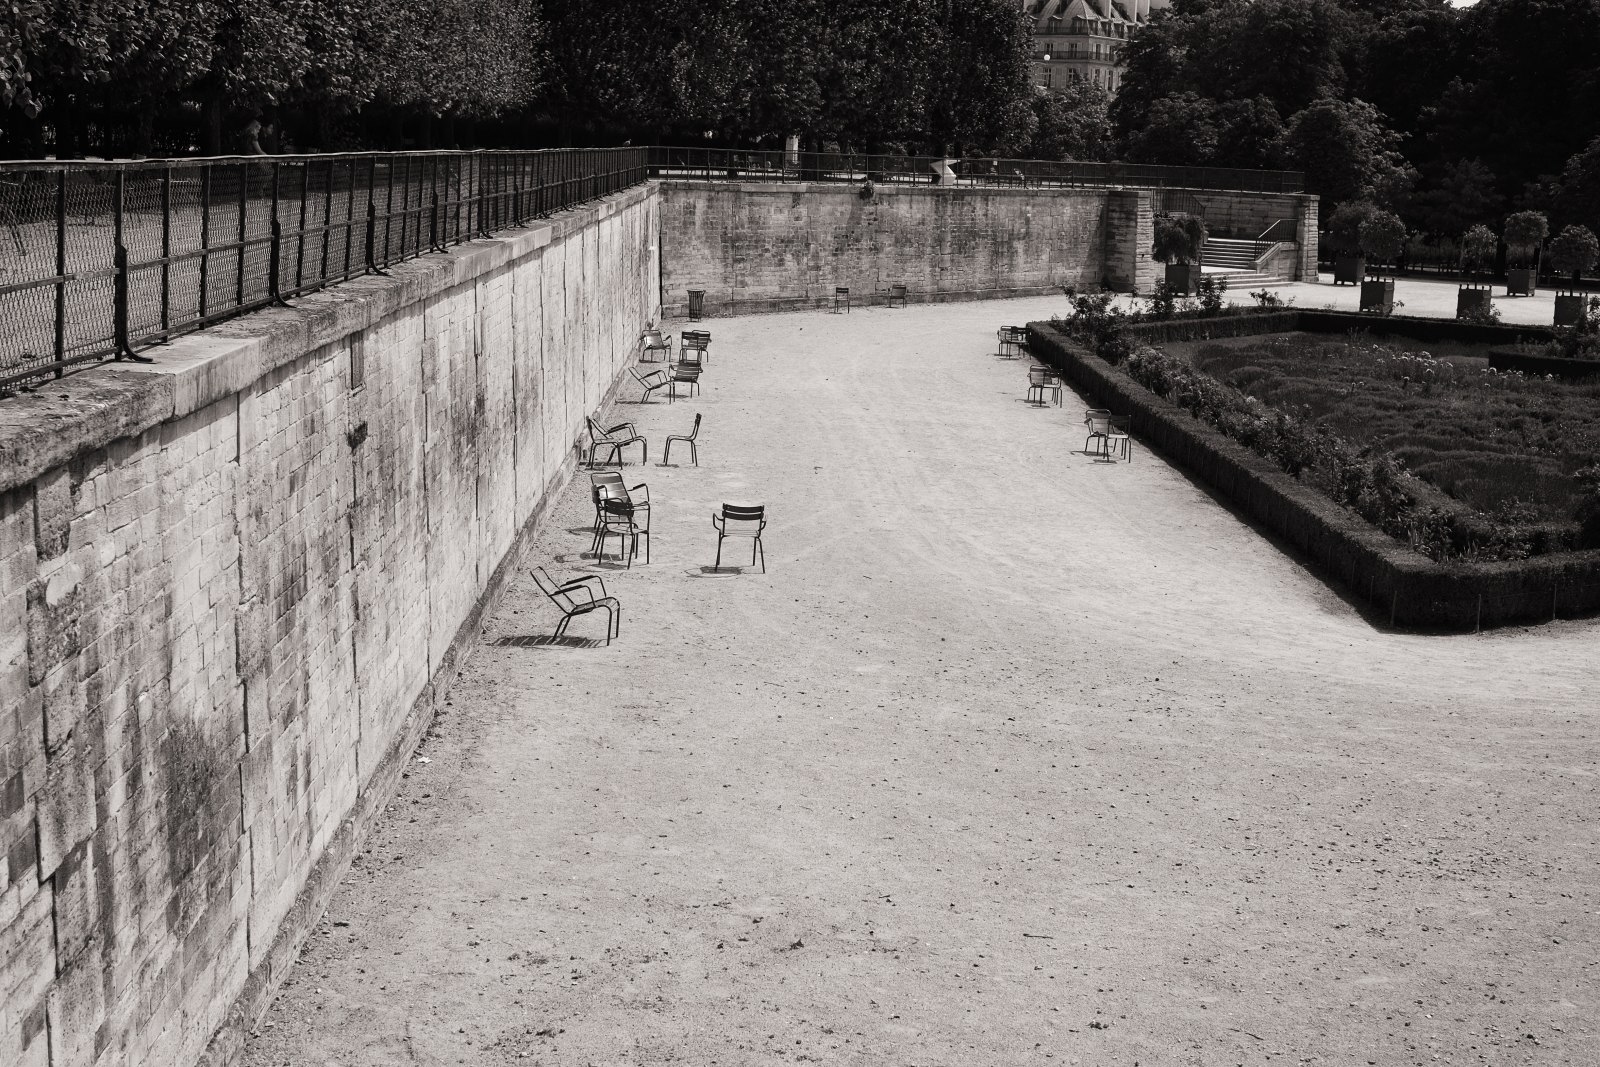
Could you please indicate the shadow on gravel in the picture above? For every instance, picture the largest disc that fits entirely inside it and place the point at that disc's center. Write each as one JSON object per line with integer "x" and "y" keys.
{"x": 546, "y": 641}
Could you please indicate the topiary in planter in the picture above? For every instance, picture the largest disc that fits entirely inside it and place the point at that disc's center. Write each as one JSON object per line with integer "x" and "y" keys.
{"x": 1573, "y": 252}
{"x": 1177, "y": 243}
{"x": 1344, "y": 237}
{"x": 1525, "y": 232}
{"x": 1381, "y": 237}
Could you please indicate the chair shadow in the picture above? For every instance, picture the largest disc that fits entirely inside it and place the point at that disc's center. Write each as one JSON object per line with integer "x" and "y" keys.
{"x": 547, "y": 641}
{"x": 725, "y": 571}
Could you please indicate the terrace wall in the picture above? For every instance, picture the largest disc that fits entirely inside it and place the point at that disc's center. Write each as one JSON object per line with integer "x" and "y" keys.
{"x": 233, "y": 585}
{"x": 763, "y": 246}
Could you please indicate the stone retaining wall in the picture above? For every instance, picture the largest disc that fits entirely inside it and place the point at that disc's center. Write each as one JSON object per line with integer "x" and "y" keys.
{"x": 234, "y": 584}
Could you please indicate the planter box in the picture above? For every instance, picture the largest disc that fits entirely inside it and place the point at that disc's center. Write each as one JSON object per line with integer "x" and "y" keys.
{"x": 1473, "y": 303}
{"x": 1378, "y": 296}
{"x": 1183, "y": 277}
{"x": 1521, "y": 281}
{"x": 1349, "y": 269}
{"x": 1569, "y": 309}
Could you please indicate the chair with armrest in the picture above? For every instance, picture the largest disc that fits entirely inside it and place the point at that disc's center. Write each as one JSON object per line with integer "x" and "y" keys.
{"x": 616, "y": 439}
{"x": 617, "y": 503}
{"x": 656, "y": 379}
{"x": 653, "y": 341}
{"x": 576, "y": 597}
{"x": 1097, "y": 421}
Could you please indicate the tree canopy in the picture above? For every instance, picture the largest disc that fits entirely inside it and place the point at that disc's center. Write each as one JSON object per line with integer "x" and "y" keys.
{"x": 1449, "y": 116}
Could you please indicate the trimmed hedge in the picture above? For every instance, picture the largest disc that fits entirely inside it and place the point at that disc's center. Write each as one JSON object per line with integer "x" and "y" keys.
{"x": 1567, "y": 369}
{"x": 1410, "y": 590}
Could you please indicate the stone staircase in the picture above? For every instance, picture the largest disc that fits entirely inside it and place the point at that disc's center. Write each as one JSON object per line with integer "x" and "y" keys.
{"x": 1236, "y": 261}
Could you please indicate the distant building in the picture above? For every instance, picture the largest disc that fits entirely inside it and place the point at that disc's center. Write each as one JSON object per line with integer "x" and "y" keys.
{"x": 1083, "y": 39}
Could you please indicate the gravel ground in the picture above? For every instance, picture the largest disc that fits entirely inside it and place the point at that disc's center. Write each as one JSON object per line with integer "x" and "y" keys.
{"x": 1012, "y": 756}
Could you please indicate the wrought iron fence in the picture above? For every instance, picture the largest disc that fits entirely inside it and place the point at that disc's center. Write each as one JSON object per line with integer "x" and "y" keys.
{"x": 98, "y": 260}
{"x": 785, "y": 166}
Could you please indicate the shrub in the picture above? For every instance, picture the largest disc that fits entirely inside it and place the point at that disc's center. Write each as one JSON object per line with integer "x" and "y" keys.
{"x": 1477, "y": 248}
{"x": 1344, "y": 227}
{"x": 1212, "y": 291}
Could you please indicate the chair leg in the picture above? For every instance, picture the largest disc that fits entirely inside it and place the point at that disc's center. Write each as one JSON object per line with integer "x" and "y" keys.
{"x": 763, "y": 550}
{"x": 561, "y": 627}
{"x": 666, "y": 453}
{"x": 694, "y": 453}
{"x": 717, "y": 566}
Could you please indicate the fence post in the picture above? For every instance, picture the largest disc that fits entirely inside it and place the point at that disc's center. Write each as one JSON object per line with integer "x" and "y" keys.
{"x": 372, "y": 225}
{"x": 119, "y": 301}
{"x": 166, "y": 252}
{"x": 275, "y": 249}
{"x": 61, "y": 270}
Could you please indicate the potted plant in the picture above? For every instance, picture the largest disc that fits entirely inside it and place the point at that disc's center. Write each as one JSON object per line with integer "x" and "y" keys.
{"x": 1178, "y": 239}
{"x": 1525, "y": 233}
{"x": 1477, "y": 251}
{"x": 1382, "y": 237}
{"x": 1573, "y": 252}
{"x": 1344, "y": 236}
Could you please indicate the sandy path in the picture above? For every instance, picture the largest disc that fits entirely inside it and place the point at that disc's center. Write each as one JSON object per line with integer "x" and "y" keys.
{"x": 1011, "y": 757}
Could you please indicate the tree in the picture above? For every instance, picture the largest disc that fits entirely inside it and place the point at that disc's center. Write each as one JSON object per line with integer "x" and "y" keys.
{"x": 1577, "y": 193}
{"x": 1071, "y": 122}
{"x": 1346, "y": 151}
{"x": 983, "y": 79}
{"x": 1179, "y": 129}
{"x": 1249, "y": 134}
{"x": 1465, "y": 194}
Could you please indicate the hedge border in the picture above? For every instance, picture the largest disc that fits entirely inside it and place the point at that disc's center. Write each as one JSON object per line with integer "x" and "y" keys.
{"x": 1572, "y": 370}
{"x": 1412, "y": 591}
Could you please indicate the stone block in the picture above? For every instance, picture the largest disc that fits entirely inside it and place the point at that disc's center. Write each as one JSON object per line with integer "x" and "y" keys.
{"x": 66, "y": 807}
{"x": 52, "y": 512}
{"x": 54, "y": 614}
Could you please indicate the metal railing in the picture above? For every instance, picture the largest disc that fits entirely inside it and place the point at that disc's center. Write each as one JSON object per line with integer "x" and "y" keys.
{"x": 98, "y": 260}
{"x": 783, "y": 166}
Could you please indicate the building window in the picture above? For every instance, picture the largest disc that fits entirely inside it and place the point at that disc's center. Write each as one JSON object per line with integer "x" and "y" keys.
{"x": 1047, "y": 73}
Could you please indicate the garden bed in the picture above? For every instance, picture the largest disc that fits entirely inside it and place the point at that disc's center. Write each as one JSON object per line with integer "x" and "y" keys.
{"x": 1407, "y": 587}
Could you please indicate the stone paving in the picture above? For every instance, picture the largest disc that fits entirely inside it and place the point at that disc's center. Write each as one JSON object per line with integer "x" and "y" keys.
{"x": 1013, "y": 756}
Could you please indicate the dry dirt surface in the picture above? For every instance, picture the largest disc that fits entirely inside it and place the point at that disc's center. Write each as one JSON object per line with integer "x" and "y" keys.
{"x": 1013, "y": 756}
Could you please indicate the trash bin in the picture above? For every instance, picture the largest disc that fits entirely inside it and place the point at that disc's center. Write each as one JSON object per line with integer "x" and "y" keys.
{"x": 697, "y": 304}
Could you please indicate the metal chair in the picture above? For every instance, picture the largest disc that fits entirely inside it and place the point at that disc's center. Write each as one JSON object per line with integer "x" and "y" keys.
{"x": 1042, "y": 380}
{"x": 841, "y": 298}
{"x": 686, "y": 374}
{"x": 613, "y": 497}
{"x": 1098, "y": 423}
{"x": 656, "y": 379}
{"x": 564, "y": 597}
{"x": 655, "y": 341}
{"x": 751, "y": 521}
{"x": 897, "y": 296}
{"x": 1013, "y": 342}
{"x": 694, "y": 454}
{"x": 1119, "y": 438}
{"x": 613, "y": 440}
{"x": 695, "y": 345}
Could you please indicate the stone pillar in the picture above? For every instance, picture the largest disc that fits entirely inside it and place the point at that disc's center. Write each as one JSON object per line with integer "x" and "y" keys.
{"x": 1306, "y": 235}
{"x": 1130, "y": 231}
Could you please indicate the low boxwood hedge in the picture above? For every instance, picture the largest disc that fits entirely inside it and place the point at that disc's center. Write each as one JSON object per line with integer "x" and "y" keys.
{"x": 1403, "y": 587}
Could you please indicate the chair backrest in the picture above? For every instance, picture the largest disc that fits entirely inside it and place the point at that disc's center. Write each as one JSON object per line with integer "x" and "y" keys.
{"x": 696, "y": 431}
{"x": 696, "y": 338}
{"x": 595, "y": 432}
{"x": 1119, "y": 424}
{"x": 1098, "y": 421}
{"x": 548, "y": 587}
{"x": 1038, "y": 376}
{"x": 741, "y": 513}
{"x": 842, "y": 290}
{"x": 653, "y": 339}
